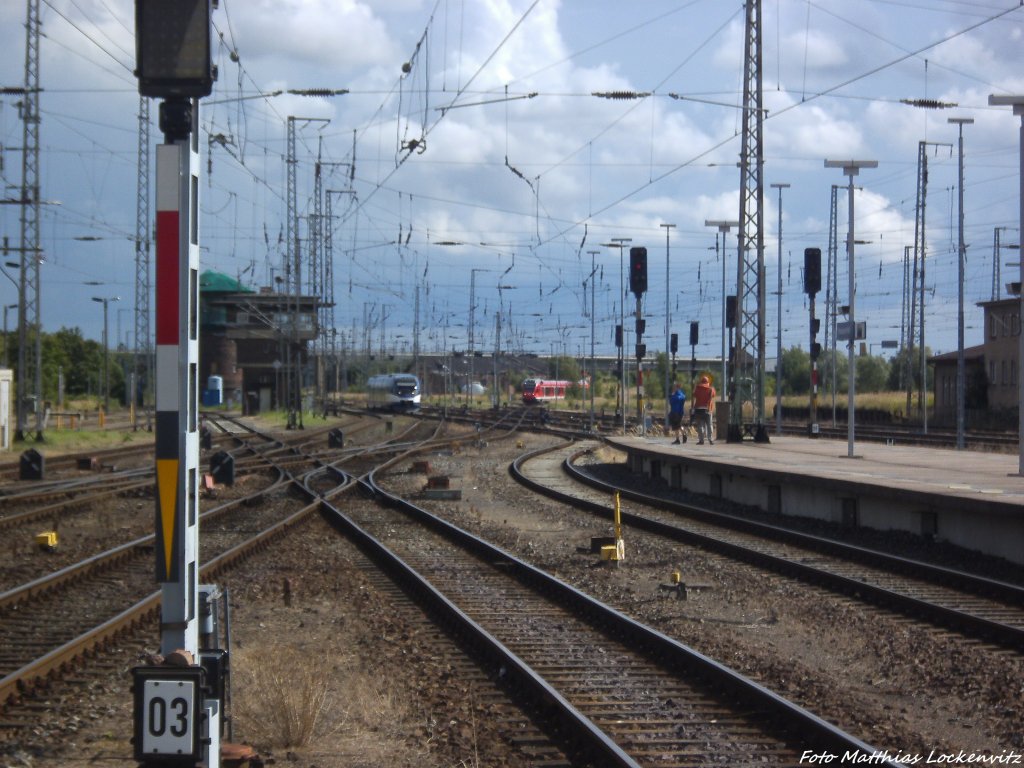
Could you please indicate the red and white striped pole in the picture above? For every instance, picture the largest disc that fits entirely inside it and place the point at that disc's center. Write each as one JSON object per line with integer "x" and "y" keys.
{"x": 177, "y": 364}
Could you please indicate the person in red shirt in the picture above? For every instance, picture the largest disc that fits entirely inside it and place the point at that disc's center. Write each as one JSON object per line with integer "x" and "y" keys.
{"x": 703, "y": 407}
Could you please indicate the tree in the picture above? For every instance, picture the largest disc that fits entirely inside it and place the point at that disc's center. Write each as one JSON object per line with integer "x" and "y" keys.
{"x": 796, "y": 371}
{"x": 872, "y": 373}
{"x": 902, "y": 362}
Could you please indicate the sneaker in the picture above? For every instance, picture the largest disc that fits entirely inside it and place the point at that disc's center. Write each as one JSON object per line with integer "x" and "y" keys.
{"x": 676, "y": 441}
{"x": 700, "y": 442}
{"x": 711, "y": 441}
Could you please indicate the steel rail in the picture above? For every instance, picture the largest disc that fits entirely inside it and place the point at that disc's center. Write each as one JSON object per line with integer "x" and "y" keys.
{"x": 658, "y": 647}
{"x": 989, "y": 630}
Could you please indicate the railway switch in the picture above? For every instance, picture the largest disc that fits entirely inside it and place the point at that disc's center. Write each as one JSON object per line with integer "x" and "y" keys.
{"x": 47, "y": 541}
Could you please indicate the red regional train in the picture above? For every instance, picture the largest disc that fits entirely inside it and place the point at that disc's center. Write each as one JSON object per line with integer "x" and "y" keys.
{"x": 543, "y": 390}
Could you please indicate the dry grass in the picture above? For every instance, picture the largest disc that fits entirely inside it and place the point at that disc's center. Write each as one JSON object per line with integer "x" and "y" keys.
{"x": 287, "y": 698}
{"x": 279, "y": 695}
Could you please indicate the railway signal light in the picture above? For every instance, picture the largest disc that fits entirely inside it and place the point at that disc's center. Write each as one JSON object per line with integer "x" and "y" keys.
{"x": 674, "y": 343}
{"x": 815, "y": 350}
{"x": 694, "y": 333}
{"x": 172, "y": 48}
{"x": 812, "y": 270}
{"x": 638, "y": 270}
{"x": 730, "y": 311}
{"x": 618, "y": 335}
{"x": 641, "y": 327}
{"x": 641, "y": 350}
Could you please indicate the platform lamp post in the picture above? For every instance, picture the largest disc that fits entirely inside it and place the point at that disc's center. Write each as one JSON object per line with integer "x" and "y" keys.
{"x": 723, "y": 227}
{"x": 778, "y": 343}
{"x": 106, "y": 350}
{"x": 174, "y": 64}
{"x": 850, "y": 169}
{"x": 1017, "y": 102}
{"x": 620, "y": 243}
{"x": 961, "y": 375}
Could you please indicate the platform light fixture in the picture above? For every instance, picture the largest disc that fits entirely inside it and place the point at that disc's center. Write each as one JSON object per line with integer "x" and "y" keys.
{"x": 850, "y": 169}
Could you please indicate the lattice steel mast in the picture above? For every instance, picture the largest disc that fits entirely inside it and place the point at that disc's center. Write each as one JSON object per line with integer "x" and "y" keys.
{"x": 748, "y": 380}
{"x": 31, "y": 254}
{"x": 142, "y": 363}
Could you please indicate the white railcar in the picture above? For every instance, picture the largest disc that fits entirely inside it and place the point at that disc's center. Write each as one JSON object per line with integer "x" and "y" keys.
{"x": 393, "y": 391}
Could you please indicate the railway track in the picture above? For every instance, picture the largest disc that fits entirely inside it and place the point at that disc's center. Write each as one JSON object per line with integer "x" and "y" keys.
{"x": 616, "y": 692}
{"x": 54, "y": 623}
{"x": 972, "y": 605}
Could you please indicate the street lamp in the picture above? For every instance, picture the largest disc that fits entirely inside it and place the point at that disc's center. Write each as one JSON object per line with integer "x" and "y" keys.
{"x": 106, "y": 351}
{"x": 851, "y": 168}
{"x": 668, "y": 321}
{"x": 723, "y": 227}
{"x": 1017, "y": 102}
{"x": 778, "y": 345}
{"x": 960, "y": 122}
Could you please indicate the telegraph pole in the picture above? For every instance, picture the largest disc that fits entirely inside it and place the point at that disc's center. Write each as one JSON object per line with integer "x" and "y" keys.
{"x": 960, "y": 122}
{"x": 778, "y": 346}
{"x": 668, "y": 321}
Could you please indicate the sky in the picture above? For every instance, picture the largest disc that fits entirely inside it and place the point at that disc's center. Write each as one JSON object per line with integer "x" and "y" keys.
{"x": 476, "y": 162}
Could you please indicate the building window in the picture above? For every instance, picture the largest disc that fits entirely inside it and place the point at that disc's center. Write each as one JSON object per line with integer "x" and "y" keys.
{"x": 1015, "y": 325}
{"x": 991, "y": 326}
{"x": 1013, "y": 372}
{"x": 1002, "y": 372}
{"x": 992, "y": 372}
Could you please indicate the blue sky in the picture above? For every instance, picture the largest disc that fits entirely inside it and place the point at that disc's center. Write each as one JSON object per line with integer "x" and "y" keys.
{"x": 520, "y": 165}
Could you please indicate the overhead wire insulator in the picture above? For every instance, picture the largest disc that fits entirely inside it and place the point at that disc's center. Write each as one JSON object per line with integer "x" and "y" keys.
{"x": 318, "y": 91}
{"x": 620, "y": 95}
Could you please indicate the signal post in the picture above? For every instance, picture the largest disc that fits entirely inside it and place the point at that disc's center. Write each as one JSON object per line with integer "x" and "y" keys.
{"x": 179, "y": 701}
{"x": 638, "y": 286}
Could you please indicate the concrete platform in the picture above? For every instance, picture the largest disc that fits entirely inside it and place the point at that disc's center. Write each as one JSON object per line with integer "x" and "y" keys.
{"x": 973, "y": 499}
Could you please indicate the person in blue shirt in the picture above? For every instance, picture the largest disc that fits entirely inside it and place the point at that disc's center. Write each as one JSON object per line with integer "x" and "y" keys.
{"x": 676, "y": 406}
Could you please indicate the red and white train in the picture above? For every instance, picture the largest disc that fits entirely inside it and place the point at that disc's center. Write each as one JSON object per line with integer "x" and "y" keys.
{"x": 544, "y": 390}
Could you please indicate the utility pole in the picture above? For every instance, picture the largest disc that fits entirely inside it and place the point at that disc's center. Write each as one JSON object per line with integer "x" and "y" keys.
{"x": 831, "y": 292}
{"x": 1017, "y": 102}
{"x": 723, "y": 227}
{"x": 960, "y": 122}
{"x": 778, "y": 344}
{"x": 141, "y": 359}
{"x": 750, "y": 300}
{"x": 920, "y": 248}
{"x": 668, "y": 322}
{"x": 29, "y": 294}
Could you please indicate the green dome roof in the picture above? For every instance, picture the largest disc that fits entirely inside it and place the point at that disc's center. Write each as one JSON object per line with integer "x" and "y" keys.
{"x": 216, "y": 282}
